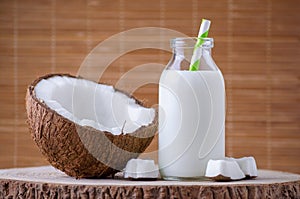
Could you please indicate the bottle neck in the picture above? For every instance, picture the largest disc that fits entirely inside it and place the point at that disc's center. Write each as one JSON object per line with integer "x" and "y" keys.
{"x": 190, "y": 42}
{"x": 189, "y": 50}
{"x": 187, "y": 45}
{"x": 186, "y": 51}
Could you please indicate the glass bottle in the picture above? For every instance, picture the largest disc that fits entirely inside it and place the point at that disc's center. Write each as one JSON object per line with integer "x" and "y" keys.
{"x": 191, "y": 112}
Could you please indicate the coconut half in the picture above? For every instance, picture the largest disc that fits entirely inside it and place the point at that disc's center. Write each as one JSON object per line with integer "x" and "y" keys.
{"x": 87, "y": 129}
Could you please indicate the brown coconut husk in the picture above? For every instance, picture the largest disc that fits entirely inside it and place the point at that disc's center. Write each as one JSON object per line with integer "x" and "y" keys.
{"x": 61, "y": 140}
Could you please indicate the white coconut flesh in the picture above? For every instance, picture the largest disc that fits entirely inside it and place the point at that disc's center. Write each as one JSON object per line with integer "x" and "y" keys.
{"x": 232, "y": 168}
{"x": 247, "y": 165}
{"x": 227, "y": 168}
{"x": 139, "y": 168}
{"x": 90, "y": 104}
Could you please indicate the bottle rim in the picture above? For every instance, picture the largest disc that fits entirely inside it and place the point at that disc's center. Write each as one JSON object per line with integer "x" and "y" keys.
{"x": 189, "y": 42}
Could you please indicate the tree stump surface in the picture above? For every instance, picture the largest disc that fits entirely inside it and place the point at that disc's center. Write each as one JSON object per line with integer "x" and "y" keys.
{"x": 47, "y": 182}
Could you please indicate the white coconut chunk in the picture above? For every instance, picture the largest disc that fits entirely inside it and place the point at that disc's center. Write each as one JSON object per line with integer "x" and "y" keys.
{"x": 96, "y": 105}
{"x": 141, "y": 169}
{"x": 222, "y": 169}
{"x": 247, "y": 165}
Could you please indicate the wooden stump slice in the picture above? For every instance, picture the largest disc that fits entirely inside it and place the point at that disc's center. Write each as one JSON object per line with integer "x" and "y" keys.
{"x": 47, "y": 182}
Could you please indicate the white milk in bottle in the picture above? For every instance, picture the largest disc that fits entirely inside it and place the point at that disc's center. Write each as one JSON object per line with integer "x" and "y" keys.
{"x": 191, "y": 113}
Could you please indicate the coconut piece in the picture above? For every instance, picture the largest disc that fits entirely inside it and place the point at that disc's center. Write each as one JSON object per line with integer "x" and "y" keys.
{"x": 141, "y": 169}
{"x": 224, "y": 170}
{"x": 87, "y": 129}
{"x": 248, "y": 166}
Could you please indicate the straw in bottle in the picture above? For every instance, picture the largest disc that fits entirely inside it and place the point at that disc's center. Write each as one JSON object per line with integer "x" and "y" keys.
{"x": 203, "y": 33}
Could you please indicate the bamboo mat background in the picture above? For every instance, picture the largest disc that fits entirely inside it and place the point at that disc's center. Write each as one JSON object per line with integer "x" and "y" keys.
{"x": 256, "y": 47}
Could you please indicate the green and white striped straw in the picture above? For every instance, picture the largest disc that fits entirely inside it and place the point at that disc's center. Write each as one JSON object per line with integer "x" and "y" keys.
{"x": 203, "y": 32}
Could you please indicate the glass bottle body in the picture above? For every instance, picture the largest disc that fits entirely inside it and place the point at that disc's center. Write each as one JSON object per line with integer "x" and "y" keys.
{"x": 192, "y": 112}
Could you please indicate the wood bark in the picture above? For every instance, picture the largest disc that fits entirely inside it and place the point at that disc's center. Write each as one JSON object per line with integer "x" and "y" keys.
{"x": 45, "y": 182}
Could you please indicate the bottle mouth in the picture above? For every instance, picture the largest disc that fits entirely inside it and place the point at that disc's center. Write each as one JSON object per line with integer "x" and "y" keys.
{"x": 189, "y": 42}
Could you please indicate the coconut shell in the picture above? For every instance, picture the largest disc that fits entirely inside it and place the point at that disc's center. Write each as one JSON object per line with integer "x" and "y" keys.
{"x": 82, "y": 151}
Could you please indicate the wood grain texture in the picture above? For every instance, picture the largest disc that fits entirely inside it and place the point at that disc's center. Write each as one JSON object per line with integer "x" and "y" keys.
{"x": 256, "y": 47}
{"x": 46, "y": 182}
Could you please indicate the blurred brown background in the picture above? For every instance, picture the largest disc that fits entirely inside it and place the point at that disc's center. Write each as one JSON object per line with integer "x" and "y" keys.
{"x": 256, "y": 47}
